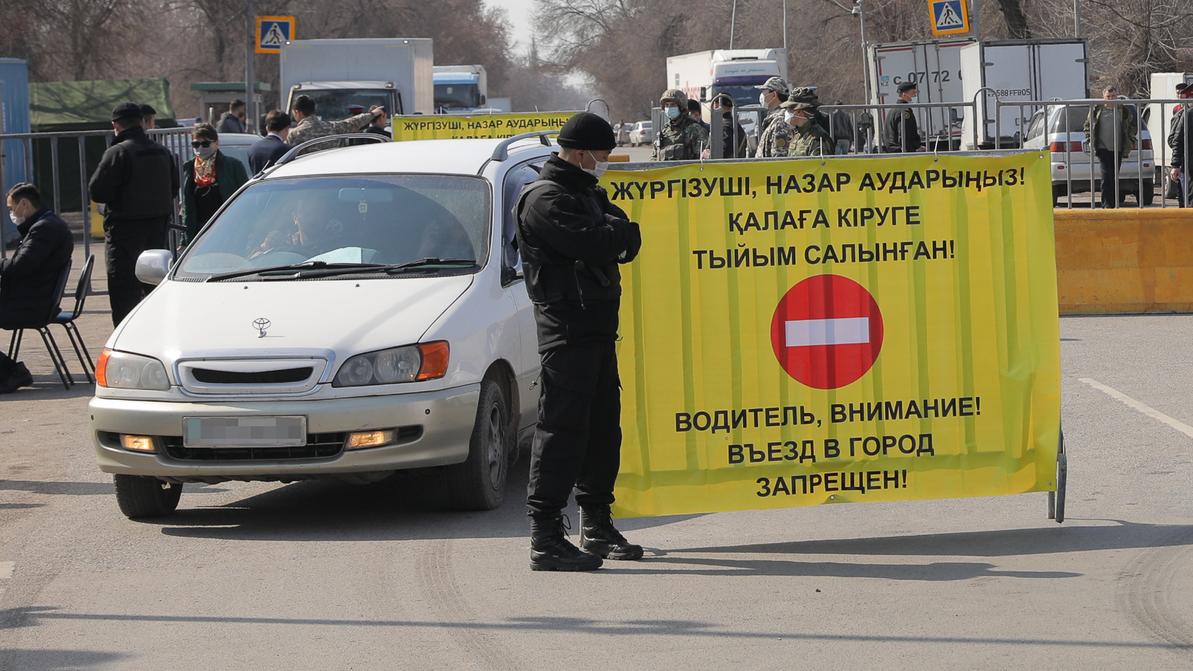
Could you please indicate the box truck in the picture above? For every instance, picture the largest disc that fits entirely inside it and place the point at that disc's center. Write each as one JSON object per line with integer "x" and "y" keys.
{"x": 395, "y": 73}
{"x": 705, "y": 74}
{"x": 460, "y": 89}
{"x": 1017, "y": 70}
{"x": 934, "y": 66}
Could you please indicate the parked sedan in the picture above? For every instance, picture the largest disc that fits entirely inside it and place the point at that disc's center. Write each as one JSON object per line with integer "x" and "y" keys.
{"x": 348, "y": 314}
{"x": 1073, "y": 162}
{"x": 642, "y": 133}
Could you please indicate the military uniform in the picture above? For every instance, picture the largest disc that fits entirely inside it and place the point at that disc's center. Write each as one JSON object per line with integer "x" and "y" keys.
{"x": 681, "y": 138}
{"x": 776, "y": 136}
{"x": 312, "y": 127}
{"x": 810, "y": 140}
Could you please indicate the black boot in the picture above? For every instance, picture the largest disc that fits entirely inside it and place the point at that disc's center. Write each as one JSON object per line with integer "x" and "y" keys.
{"x": 600, "y": 538}
{"x": 551, "y": 551}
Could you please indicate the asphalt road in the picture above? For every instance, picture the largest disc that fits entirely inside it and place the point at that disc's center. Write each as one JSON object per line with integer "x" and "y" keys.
{"x": 333, "y": 576}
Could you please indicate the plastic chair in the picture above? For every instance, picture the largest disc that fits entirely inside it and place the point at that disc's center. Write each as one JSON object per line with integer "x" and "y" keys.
{"x": 67, "y": 318}
{"x": 14, "y": 343}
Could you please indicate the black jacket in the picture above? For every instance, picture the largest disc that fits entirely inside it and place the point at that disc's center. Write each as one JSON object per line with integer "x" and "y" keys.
{"x": 136, "y": 178}
{"x": 30, "y": 276}
{"x": 731, "y": 130}
{"x": 265, "y": 152}
{"x": 571, "y": 239}
{"x": 1182, "y": 139}
{"x": 902, "y": 131}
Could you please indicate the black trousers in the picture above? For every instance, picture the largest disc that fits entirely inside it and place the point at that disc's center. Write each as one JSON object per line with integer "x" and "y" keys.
{"x": 1109, "y": 161}
{"x": 578, "y": 440}
{"x": 123, "y": 242}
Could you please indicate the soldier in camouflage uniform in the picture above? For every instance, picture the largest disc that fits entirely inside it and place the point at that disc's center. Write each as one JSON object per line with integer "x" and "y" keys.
{"x": 807, "y": 94}
{"x": 310, "y": 126}
{"x": 775, "y": 134}
{"x": 809, "y": 138}
{"x": 681, "y": 138}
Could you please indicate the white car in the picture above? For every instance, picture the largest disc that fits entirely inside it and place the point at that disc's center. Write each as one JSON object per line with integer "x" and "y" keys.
{"x": 347, "y": 314}
{"x": 642, "y": 133}
{"x": 1072, "y": 161}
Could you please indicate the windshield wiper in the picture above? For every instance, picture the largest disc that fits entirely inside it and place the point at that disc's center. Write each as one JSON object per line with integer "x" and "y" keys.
{"x": 293, "y": 267}
{"x": 390, "y": 268}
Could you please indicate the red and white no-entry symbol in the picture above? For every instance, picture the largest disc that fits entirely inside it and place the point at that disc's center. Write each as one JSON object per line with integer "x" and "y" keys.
{"x": 827, "y": 331}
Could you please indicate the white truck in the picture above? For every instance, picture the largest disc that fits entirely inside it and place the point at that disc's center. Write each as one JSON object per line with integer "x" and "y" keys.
{"x": 935, "y": 67}
{"x": 705, "y": 74}
{"x": 1158, "y": 117}
{"x": 340, "y": 74}
{"x": 1017, "y": 70}
{"x": 460, "y": 89}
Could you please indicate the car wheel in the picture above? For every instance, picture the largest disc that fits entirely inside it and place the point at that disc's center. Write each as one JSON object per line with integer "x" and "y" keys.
{"x": 1058, "y": 193}
{"x": 479, "y": 482}
{"x": 143, "y": 497}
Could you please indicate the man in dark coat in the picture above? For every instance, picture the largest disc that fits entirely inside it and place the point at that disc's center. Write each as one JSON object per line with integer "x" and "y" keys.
{"x": 572, "y": 239}
{"x": 266, "y": 151}
{"x": 902, "y": 129}
{"x": 29, "y": 279}
{"x": 733, "y": 136}
{"x": 137, "y": 180}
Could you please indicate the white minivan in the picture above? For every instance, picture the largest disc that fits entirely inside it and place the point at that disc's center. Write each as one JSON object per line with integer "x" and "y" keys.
{"x": 351, "y": 313}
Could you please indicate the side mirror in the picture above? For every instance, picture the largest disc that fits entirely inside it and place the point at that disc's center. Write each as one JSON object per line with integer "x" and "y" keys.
{"x": 153, "y": 265}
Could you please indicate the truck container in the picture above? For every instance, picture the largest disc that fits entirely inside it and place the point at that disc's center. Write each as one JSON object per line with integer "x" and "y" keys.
{"x": 460, "y": 89}
{"x": 1017, "y": 70}
{"x": 395, "y": 73}
{"x": 934, "y": 66}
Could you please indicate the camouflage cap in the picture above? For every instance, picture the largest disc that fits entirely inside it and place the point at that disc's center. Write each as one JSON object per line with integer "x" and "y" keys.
{"x": 805, "y": 94}
{"x": 775, "y": 84}
{"x": 676, "y": 96}
{"x": 794, "y": 105}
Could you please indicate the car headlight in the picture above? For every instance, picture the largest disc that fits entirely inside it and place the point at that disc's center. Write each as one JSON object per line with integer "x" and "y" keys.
{"x": 121, "y": 370}
{"x": 412, "y": 363}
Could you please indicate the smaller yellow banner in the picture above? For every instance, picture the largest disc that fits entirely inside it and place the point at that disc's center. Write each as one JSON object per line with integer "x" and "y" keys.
{"x": 480, "y": 126}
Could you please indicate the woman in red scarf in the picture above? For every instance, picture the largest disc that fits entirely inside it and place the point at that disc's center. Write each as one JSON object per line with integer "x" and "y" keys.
{"x": 208, "y": 180}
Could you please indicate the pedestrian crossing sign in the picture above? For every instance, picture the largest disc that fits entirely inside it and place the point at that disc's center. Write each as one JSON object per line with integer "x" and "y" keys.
{"x": 273, "y": 32}
{"x": 949, "y": 17}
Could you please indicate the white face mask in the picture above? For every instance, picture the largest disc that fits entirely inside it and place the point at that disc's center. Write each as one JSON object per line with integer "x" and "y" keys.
{"x": 762, "y": 98}
{"x": 672, "y": 112}
{"x": 206, "y": 152}
{"x": 600, "y": 166}
{"x": 16, "y": 221}
{"x": 788, "y": 116}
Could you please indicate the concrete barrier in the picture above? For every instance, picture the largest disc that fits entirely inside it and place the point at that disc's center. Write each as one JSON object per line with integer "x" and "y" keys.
{"x": 1124, "y": 261}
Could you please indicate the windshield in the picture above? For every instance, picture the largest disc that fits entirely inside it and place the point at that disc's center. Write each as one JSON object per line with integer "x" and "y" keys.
{"x": 457, "y": 95}
{"x": 375, "y": 219}
{"x": 744, "y": 94}
{"x": 337, "y": 104}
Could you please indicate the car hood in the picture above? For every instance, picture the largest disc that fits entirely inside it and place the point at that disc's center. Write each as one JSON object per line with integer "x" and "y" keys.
{"x": 341, "y": 317}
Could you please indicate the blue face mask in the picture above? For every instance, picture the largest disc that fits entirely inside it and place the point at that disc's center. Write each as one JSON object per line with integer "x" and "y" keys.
{"x": 672, "y": 113}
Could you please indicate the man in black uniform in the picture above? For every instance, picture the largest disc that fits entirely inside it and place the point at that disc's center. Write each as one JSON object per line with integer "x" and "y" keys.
{"x": 902, "y": 131}
{"x": 571, "y": 239}
{"x": 137, "y": 180}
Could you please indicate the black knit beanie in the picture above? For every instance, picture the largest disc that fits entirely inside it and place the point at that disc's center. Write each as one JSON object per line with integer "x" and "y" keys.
{"x": 586, "y": 130}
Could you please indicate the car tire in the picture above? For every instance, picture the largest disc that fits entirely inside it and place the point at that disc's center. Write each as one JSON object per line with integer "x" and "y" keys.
{"x": 479, "y": 482}
{"x": 141, "y": 497}
{"x": 1149, "y": 193}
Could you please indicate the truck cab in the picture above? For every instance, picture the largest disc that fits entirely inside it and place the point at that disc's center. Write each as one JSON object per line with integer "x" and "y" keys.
{"x": 333, "y": 100}
{"x": 460, "y": 89}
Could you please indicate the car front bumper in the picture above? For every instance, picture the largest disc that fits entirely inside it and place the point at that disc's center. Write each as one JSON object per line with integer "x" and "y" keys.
{"x": 434, "y": 429}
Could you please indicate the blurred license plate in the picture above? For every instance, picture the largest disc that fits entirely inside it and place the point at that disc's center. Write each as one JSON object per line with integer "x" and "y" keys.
{"x": 244, "y": 431}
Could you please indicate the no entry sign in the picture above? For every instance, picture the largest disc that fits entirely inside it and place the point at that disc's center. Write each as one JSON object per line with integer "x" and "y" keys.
{"x": 826, "y": 331}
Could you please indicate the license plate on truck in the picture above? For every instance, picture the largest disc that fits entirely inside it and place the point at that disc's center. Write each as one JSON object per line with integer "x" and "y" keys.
{"x": 215, "y": 432}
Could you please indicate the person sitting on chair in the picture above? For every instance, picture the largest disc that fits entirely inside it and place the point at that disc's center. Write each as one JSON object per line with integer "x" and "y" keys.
{"x": 29, "y": 278}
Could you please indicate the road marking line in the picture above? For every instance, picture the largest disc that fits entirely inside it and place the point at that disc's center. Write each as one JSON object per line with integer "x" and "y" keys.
{"x": 1142, "y": 408}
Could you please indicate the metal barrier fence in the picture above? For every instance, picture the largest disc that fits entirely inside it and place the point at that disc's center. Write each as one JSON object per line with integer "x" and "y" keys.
{"x": 54, "y": 161}
{"x": 1079, "y": 163}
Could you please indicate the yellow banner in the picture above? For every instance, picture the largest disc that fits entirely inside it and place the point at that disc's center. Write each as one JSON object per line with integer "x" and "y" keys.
{"x": 461, "y": 127}
{"x": 805, "y": 332}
